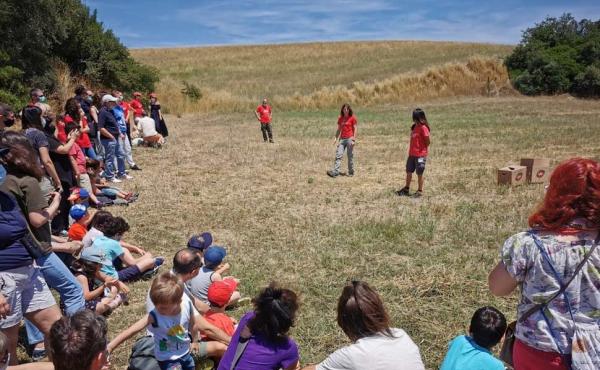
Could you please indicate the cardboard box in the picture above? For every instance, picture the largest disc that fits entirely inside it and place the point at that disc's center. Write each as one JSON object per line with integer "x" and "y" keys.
{"x": 538, "y": 169}
{"x": 512, "y": 175}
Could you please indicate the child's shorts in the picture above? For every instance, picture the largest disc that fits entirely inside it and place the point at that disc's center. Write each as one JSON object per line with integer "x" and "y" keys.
{"x": 183, "y": 363}
{"x": 416, "y": 164}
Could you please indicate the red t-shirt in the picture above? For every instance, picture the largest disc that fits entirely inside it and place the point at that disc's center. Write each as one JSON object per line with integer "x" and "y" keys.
{"x": 137, "y": 107}
{"x": 77, "y": 153}
{"x": 221, "y": 321}
{"x": 418, "y": 148}
{"x": 264, "y": 113}
{"x": 77, "y": 231}
{"x": 126, "y": 107}
{"x": 84, "y": 139}
{"x": 346, "y": 126}
{"x": 61, "y": 134}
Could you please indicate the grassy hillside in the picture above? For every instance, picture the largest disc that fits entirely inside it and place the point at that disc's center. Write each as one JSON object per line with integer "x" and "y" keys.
{"x": 241, "y": 75}
{"x": 281, "y": 218}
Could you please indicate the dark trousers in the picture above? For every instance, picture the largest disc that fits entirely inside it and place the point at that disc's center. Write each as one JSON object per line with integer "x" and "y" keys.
{"x": 61, "y": 220}
{"x": 266, "y": 130}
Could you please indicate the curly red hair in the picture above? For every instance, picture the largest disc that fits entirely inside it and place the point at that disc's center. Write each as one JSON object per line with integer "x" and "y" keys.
{"x": 574, "y": 192}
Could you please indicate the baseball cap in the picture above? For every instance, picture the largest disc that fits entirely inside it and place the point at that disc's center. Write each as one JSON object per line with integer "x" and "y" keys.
{"x": 77, "y": 211}
{"x": 78, "y": 193}
{"x": 219, "y": 292}
{"x": 201, "y": 241}
{"x": 213, "y": 256}
{"x": 106, "y": 98}
{"x": 94, "y": 254}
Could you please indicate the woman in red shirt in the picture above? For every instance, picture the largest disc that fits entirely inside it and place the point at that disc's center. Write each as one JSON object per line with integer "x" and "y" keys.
{"x": 346, "y": 134}
{"x": 417, "y": 152}
{"x": 74, "y": 113}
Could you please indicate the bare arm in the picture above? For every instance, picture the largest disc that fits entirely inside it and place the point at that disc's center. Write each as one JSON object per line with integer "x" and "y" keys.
{"x": 104, "y": 133}
{"x": 257, "y": 115}
{"x": 132, "y": 248}
{"x": 33, "y": 366}
{"x": 224, "y": 267}
{"x": 355, "y": 133}
{"x": 74, "y": 166}
{"x": 88, "y": 294}
{"x": 49, "y": 166}
{"x": 130, "y": 332}
{"x": 94, "y": 114}
{"x": 68, "y": 247}
{"x": 39, "y": 218}
{"x": 310, "y": 367}
{"x": 500, "y": 282}
{"x": 210, "y": 330}
{"x": 294, "y": 366}
{"x": 66, "y": 147}
{"x": 201, "y": 306}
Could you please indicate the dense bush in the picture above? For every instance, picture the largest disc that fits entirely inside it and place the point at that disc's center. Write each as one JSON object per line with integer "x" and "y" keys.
{"x": 556, "y": 56}
{"x": 35, "y": 33}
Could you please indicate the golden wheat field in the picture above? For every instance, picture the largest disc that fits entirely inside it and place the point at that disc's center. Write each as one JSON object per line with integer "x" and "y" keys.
{"x": 281, "y": 218}
{"x": 305, "y": 76}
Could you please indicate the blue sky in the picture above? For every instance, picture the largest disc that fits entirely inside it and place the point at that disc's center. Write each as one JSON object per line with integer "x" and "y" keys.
{"x": 155, "y": 23}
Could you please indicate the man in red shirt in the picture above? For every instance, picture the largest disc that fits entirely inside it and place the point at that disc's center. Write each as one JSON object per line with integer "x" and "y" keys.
{"x": 263, "y": 114}
{"x": 136, "y": 104}
{"x": 346, "y": 134}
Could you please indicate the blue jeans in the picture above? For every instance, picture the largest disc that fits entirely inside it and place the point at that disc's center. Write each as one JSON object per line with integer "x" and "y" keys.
{"x": 183, "y": 363}
{"x": 61, "y": 279}
{"x": 90, "y": 152}
{"x": 112, "y": 149}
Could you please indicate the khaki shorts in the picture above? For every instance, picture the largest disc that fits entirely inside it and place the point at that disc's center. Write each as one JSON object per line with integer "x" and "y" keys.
{"x": 153, "y": 139}
{"x": 84, "y": 182}
{"x": 25, "y": 291}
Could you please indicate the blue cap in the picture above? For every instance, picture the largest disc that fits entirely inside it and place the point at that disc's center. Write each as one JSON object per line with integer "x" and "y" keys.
{"x": 78, "y": 211}
{"x": 95, "y": 254}
{"x": 83, "y": 193}
{"x": 200, "y": 242}
{"x": 214, "y": 255}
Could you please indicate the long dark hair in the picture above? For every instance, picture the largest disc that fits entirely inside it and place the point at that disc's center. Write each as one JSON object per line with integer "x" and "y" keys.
{"x": 99, "y": 220}
{"x": 418, "y": 116}
{"x": 360, "y": 312}
{"x": 350, "y": 113}
{"x": 88, "y": 268}
{"x": 22, "y": 159}
{"x": 275, "y": 310}
{"x": 72, "y": 109}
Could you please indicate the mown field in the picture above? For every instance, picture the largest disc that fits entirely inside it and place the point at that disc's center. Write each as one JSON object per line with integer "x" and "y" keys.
{"x": 281, "y": 218}
{"x": 234, "y": 77}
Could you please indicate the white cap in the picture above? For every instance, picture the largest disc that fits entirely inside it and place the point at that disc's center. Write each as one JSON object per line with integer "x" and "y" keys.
{"x": 106, "y": 98}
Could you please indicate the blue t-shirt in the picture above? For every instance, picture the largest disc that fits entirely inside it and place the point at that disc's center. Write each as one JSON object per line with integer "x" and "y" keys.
{"x": 465, "y": 354}
{"x": 119, "y": 114}
{"x": 107, "y": 120}
{"x": 13, "y": 227}
{"x": 111, "y": 249}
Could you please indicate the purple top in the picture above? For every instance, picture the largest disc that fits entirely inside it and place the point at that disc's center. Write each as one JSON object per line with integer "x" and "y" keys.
{"x": 260, "y": 354}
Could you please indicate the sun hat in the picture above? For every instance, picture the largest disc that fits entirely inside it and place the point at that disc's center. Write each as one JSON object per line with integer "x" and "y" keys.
{"x": 94, "y": 254}
{"x": 219, "y": 292}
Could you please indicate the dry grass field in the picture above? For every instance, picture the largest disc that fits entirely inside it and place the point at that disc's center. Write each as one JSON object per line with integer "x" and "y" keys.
{"x": 281, "y": 218}
{"x": 233, "y": 78}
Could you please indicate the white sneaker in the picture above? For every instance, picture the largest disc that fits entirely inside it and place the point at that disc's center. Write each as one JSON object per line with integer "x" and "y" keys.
{"x": 115, "y": 180}
{"x": 126, "y": 177}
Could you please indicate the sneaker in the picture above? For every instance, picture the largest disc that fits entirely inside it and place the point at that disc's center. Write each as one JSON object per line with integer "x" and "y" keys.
{"x": 332, "y": 173}
{"x": 38, "y": 354}
{"x": 135, "y": 167}
{"x": 114, "y": 180}
{"x": 403, "y": 192}
{"x": 158, "y": 261}
{"x": 418, "y": 194}
{"x": 126, "y": 177}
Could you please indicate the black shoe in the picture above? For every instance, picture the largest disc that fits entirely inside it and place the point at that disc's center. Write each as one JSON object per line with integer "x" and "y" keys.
{"x": 332, "y": 174}
{"x": 135, "y": 167}
{"x": 271, "y": 141}
{"x": 403, "y": 192}
{"x": 350, "y": 174}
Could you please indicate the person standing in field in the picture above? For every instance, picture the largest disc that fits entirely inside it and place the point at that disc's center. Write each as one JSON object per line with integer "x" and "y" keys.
{"x": 136, "y": 104}
{"x": 157, "y": 116}
{"x": 417, "y": 152}
{"x": 346, "y": 134}
{"x": 263, "y": 114}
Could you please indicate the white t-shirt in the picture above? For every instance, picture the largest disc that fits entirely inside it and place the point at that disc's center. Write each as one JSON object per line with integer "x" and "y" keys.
{"x": 147, "y": 126}
{"x": 89, "y": 237}
{"x": 377, "y": 352}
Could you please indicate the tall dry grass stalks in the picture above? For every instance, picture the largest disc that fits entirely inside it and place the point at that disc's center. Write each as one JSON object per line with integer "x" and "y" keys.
{"x": 478, "y": 76}
{"x": 65, "y": 85}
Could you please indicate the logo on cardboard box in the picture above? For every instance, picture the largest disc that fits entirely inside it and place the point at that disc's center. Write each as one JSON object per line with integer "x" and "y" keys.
{"x": 540, "y": 174}
{"x": 519, "y": 176}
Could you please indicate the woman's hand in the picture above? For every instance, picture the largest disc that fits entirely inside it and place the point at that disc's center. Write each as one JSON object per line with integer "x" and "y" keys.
{"x": 4, "y": 307}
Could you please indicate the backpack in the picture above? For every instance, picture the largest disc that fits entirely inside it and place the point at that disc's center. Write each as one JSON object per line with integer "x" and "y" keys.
{"x": 142, "y": 355}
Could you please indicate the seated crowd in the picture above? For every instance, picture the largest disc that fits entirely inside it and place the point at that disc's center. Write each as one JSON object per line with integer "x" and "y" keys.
{"x": 52, "y": 236}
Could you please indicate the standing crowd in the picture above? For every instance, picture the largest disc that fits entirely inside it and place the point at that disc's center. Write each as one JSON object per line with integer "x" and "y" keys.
{"x": 52, "y": 236}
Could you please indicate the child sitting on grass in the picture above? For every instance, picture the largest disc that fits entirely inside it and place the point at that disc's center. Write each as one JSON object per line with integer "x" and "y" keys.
{"x": 113, "y": 229}
{"x": 171, "y": 323}
{"x": 209, "y": 273}
{"x": 219, "y": 295}
{"x": 79, "y": 213}
{"x": 474, "y": 351}
{"x": 101, "y": 298}
{"x": 101, "y": 187}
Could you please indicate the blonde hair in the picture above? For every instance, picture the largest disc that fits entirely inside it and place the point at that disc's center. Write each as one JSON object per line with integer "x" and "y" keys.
{"x": 166, "y": 288}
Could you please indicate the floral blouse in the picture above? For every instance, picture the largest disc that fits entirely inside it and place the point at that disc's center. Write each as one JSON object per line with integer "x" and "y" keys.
{"x": 525, "y": 263}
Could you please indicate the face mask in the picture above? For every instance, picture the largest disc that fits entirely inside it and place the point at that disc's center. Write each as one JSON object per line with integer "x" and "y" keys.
{"x": 42, "y": 99}
{"x": 89, "y": 99}
{"x": 2, "y": 178}
{"x": 9, "y": 122}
